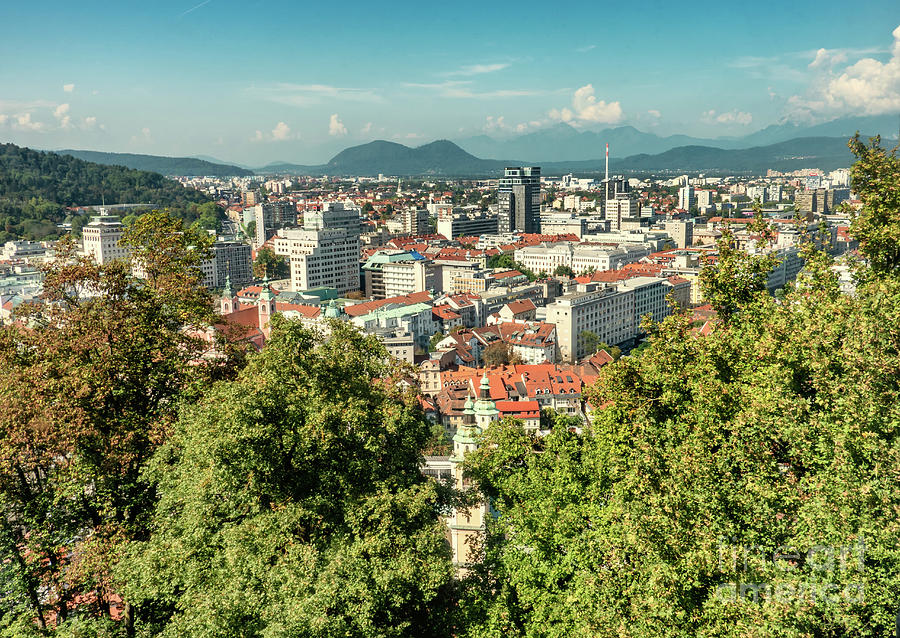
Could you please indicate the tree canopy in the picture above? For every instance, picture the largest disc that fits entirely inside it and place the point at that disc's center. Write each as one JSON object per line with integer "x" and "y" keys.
{"x": 737, "y": 484}
{"x": 36, "y": 187}
{"x": 292, "y": 503}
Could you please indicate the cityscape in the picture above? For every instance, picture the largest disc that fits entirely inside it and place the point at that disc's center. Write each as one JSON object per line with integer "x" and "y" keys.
{"x": 584, "y": 358}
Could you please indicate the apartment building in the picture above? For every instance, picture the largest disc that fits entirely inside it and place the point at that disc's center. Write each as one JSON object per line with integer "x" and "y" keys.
{"x": 605, "y": 312}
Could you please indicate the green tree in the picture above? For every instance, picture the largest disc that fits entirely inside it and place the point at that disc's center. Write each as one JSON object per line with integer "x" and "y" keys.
{"x": 564, "y": 271}
{"x": 735, "y": 484}
{"x": 591, "y": 342}
{"x": 269, "y": 264}
{"x": 89, "y": 384}
{"x": 876, "y": 177}
{"x": 735, "y": 278}
{"x": 436, "y": 338}
{"x": 292, "y": 503}
{"x": 500, "y": 353}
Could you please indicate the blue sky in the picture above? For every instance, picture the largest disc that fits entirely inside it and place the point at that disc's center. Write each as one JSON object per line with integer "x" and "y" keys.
{"x": 260, "y": 81}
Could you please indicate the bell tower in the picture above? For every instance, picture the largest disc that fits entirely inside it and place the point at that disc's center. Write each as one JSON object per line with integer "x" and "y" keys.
{"x": 229, "y": 301}
{"x": 266, "y": 306}
{"x": 467, "y": 525}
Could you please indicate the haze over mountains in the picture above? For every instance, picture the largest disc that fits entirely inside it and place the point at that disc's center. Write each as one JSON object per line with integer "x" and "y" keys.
{"x": 560, "y": 148}
{"x": 565, "y": 143}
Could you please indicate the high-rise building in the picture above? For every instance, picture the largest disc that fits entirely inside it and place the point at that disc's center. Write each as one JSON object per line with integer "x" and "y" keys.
{"x": 618, "y": 208}
{"x": 686, "y": 197}
{"x": 100, "y": 238}
{"x": 270, "y": 216}
{"x": 325, "y": 252}
{"x": 681, "y": 232}
{"x": 519, "y": 197}
{"x": 415, "y": 221}
{"x": 231, "y": 260}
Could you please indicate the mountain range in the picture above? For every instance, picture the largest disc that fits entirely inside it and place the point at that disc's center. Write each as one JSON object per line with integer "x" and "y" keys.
{"x": 558, "y": 149}
{"x": 562, "y": 142}
{"x": 446, "y": 159}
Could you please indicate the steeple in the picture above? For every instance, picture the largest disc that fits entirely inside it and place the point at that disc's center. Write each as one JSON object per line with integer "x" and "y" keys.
{"x": 229, "y": 302}
{"x": 266, "y": 305}
{"x": 485, "y": 408}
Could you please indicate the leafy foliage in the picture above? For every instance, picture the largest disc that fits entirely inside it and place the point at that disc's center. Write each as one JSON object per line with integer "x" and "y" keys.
{"x": 269, "y": 264}
{"x": 292, "y": 503}
{"x": 89, "y": 385}
{"x": 737, "y": 484}
{"x": 35, "y": 188}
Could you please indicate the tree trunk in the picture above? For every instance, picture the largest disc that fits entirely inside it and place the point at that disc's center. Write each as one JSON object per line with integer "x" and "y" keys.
{"x": 129, "y": 620}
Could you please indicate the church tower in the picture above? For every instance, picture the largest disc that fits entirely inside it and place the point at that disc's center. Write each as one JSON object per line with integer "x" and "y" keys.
{"x": 229, "y": 302}
{"x": 266, "y": 306}
{"x": 467, "y": 525}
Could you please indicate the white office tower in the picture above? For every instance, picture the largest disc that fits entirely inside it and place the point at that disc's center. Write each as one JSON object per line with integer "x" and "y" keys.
{"x": 325, "y": 252}
{"x": 620, "y": 207}
{"x": 686, "y": 197}
{"x": 100, "y": 238}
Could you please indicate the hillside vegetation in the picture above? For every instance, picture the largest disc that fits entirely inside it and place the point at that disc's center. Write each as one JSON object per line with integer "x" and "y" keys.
{"x": 161, "y": 164}
{"x": 36, "y": 188}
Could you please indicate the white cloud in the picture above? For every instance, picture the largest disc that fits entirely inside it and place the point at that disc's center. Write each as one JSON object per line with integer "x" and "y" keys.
{"x": 90, "y": 122}
{"x": 335, "y": 126}
{"x": 258, "y": 137}
{"x": 730, "y": 117}
{"x": 68, "y": 88}
{"x": 24, "y": 122}
{"x": 61, "y": 114}
{"x": 587, "y": 108}
{"x": 866, "y": 87}
{"x": 3, "y": 119}
{"x": 585, "y": 49}
{"x": 654, "y": 113}
{"x": 145, "y": 136}
{"x": 492, "y": 123}
{"x": 281, "y": 132}
{"x": 478, "y": 69}
{"x": 824, "y": 57}
{"x": 309, "y": 94}
{"x": 462, "y": 89}
{"x": 366, "y": 129}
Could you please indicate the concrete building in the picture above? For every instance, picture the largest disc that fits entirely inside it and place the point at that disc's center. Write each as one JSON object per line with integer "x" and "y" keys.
{"x": 580, "y": 258}
{"x": 820, "y": 200}
{"x": 760, "y": 193}
{"x": 686, "y": 197}
{"x": 681, "y": 232}
{"x": 619, "y": 208}
{"x": 100, "y": 238}
{"x": 22, "y": 250}
{"x": 458, "y": 222}
{"x": 705, "y": 199}
{"x": 269, "y": 217}
{"x": 605, "y": 312}
{"x": 325, "y": 252}
{"x": 649, "y": 298}
{"x": 321, "y": 258}
{"x": 407, "y": 277}
{"x": 415, "y": 221}
{"x": 519, "y": 199}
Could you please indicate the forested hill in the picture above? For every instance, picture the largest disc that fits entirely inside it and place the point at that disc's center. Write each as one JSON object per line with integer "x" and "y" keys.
{"x": 35, "y": 188}
{"x": 160, "y": 164}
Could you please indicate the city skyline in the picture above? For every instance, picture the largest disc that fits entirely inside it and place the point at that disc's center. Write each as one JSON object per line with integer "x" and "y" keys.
{"x": 264, "y": 82}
